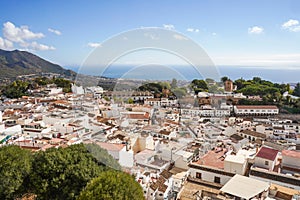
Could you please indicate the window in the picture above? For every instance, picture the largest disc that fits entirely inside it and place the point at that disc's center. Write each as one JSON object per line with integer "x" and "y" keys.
{"x": 217, "y": 179}
{"x": 161, "y": 194}
{"x": 266, "y": 162}
{"x": 198, "y": 175}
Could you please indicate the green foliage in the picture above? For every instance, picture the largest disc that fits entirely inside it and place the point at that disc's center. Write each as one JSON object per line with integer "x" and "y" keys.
{"x": 53, "y": 174}
{"x": 20, "y": 88}
{"x": 102, "y": 156}
{"x": 153, "y": 87}
{"x": 41, "y": 81}
{"x": 292, "y": 110}
{"x": 179, "y": 92}
{"x": 224, "y": 78}
{"x": 63, "y": 83}
{"x": 297, "y": 90}
{"x": 16, "y": 89}
{"x": 215, "y": 89}
{"x": 111, "y": 185}
{"x": 15, "y": 63}
{"x": 62, "y": 173}
{"x": 174, "y": 83}
{"x": 165, "y": 85}
{"x": 14, "y": 169}
{"x": 130, "y": 101}
{"x": 199, "y": 85}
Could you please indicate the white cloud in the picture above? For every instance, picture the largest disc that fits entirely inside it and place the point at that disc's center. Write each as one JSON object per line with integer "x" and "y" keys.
{"x": 56, "y": 32}
{"x": 179, "y": 37}
{"x": 41, "y": 47}
{"x": 192, "y": 30}
{"x": 291, "y": 25}
{"x": 23, "y": 37}
{"x": 6, "y": 44}
{"x": 214, "y": 34}
{"x": 94, "y": 44}
{"x": 36, "y": 46}
{"x": 19, "y": 34}
{"x": 255, "y": 30}
{"x": 169, "y": 26}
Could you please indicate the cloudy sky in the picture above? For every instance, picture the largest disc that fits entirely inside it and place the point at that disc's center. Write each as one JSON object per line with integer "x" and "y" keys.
{"x": 243, "y": 33}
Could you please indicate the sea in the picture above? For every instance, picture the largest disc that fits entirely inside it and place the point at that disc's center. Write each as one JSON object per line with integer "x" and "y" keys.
{"x": 158, "y": 72}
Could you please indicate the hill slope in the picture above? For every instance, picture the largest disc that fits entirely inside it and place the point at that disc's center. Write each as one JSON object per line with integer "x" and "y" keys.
{"x": 15, "y": 63}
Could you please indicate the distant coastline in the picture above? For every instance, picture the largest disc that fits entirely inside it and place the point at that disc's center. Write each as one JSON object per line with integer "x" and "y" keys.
{"x": 278, "y": 75}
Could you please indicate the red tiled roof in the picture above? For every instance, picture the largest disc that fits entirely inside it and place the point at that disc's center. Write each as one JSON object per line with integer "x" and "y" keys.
{"x": 139, "y": 116}
{"x": 164, "y": 132}
{"x": 267, "y": 153}
{"x": 213, "y": 159}
{"x": 110, "y": 146}
{"x": 256, "y": 107}
{"x": 289, "y": 153}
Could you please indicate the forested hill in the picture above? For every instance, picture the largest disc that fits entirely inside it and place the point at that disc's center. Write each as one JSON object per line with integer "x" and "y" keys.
{"x": 15, "y": 63}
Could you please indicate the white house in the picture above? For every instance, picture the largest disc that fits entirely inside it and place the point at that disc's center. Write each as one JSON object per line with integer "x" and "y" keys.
{"x": 255, "y": 110}
{"x": 266, "y": 158}
{"x": 290, "y": 160}
{"x": 126, "y": 158}
{"x": 236, "y": 164}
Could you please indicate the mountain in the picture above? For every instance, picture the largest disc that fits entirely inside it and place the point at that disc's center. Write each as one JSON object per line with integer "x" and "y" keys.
{"x": 16, "y": 63}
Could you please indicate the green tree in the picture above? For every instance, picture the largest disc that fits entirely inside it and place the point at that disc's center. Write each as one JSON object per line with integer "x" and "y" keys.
{"x": 256, "y": 79}
{"x": 224, "y": 78}
{"x": 174, "y": 83}
{"x": 199, "y": 85}
{"x": 15, "y": 168}
{"x": 130, "y": 101}
{"x": 297, "y": 90}
{"x": 179, "y": 92}
{"x": 63, "y": 83}
{"x": 16, "y": 89}
{"x": 112, "y": 185}
{"x": 62, "y": 173}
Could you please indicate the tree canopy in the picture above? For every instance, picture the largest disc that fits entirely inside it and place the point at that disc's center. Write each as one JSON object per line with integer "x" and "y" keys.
{"x": 62, "y": 173}
{"x": 112, "y": 185}
{"x": 199, "y": 85}
{"x": 55, "y": 173}
{"x": 15, "y": 168}
{"x": 20, "y": 88}
{"x": 297, "y": 90}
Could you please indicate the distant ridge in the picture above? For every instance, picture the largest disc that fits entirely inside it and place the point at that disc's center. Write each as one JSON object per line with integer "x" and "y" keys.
{"x": 16, "y": 63}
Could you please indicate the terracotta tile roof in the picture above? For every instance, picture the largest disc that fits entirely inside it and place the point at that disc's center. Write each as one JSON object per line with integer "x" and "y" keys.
{"x": 166, "y": 174}
{"x": 267, "y": 153}
{"x": 213, "y": 159}
{"x": 138, "y": 116}
{"x": 254, "y": 133}
{"x": 163, "y": 132}
{"x": 110, "y": 146}
{"x": 294, "y": 154}
{"x": 256, "y": 107}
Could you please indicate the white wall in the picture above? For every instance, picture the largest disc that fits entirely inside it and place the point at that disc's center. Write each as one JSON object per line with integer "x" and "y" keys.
{"x": 126, "y": 158}
{"x": 234, "y": 167}
{"x": 260, "y": 162}
{"x": 209, "y": 176}
{"x": 290, "y": 162}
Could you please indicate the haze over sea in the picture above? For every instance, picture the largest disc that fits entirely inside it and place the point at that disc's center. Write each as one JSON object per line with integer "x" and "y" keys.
{"x": 157, "y": 72}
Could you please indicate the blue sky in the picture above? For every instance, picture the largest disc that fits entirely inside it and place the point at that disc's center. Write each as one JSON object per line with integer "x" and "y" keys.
{"x": 244, "y": 33}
